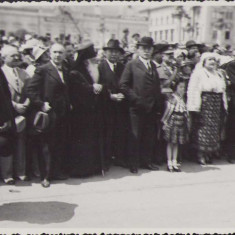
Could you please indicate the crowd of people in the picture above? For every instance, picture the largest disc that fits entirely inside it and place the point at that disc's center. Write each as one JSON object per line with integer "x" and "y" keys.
{"x": 70, "y": 110}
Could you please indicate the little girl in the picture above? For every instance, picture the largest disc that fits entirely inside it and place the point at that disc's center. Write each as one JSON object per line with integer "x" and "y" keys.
{"x": 175, "y": 124}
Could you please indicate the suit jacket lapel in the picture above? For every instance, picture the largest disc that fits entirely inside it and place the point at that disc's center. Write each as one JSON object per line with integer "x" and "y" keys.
{"x": 141, "y": 65}
{"x": 54, "y": 73}
{"x": 10, "y": 80}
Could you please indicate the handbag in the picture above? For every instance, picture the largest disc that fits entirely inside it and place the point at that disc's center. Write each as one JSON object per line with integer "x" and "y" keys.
{"x": 20, "y": 122}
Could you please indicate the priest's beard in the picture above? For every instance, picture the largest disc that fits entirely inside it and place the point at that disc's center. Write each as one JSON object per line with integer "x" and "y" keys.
{"x": 92, "y": 68}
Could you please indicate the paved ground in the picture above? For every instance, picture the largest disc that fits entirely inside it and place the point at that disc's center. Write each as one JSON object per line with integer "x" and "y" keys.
{"x": 198, "y": 197}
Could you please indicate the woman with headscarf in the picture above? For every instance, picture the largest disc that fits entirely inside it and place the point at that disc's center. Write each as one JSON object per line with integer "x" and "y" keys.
{"x": 207, "y": 102}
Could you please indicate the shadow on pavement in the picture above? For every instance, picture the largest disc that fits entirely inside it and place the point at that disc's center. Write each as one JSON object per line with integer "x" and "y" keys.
{"x": 37, "y": 212}
{"x": 113, "y": 173}
{"x": 196, "y": 168}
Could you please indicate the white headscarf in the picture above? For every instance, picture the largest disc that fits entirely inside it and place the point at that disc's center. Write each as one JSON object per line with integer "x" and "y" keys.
{"x": 205, "y": 56}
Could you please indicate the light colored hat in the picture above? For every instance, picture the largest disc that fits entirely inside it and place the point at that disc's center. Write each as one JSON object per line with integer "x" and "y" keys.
{"x": 27, "y": 37}
{"x": 224, "y": 60}
{"x": 11, "y": 39}
{"x": 30, "y": 44}
{"x": 38, "y": 51}
{"x": 179, "y": 52}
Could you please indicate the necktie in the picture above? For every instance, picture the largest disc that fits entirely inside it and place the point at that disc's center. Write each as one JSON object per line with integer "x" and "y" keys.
{"x": 149, "y": 67}
{"x": 16, "y": 79}
{"x": 115, "y": 68}
{"x": 59, "y": 68}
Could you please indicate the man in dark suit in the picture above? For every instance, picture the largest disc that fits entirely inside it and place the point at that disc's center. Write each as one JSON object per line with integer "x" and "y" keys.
{"x": 17, "y": 79}
{"x": 48, "y": 90}
{"x": 140, "y": 84}
{"x": 229, "y": 144}
{"x": 116, "y": 118}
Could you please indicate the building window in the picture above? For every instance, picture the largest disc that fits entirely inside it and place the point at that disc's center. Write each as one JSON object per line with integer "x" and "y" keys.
{"x": 161, "y": 35}
{"x": 227, "y": 35}
{"x": 214, "y": 35}
{"x": 172, "y": 35}
{"x": 156, "y": 22}
{"x": 167, "y": 19}
{"x": 155, "y": 35}
{"x": 229, "y": 15}
{"x": 161, "y": 20}
{"x": 166, "y": 35}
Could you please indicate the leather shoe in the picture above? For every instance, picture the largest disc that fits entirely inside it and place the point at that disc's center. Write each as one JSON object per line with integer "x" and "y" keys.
{"x": 60, "y": 177}
{"x": 176, "y": 169}
{"x": 23, "y": 178}
{"x": 45, "y": 183}
{"x": 9, "y": 181}
{"x": 202, "y": 161}
{"x": 133, "y": 170}
{"x": 170, "y": 169}
{"x": 152, "y": 167}
{"x": 230, "y": 160}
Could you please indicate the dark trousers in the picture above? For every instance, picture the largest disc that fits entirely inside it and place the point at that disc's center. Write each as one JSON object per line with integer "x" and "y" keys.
{"x": 142, "y": 137}
{"x": 39, "y": 155}
{"x": 57, "y": 140}
{"x": 116, "y": 136}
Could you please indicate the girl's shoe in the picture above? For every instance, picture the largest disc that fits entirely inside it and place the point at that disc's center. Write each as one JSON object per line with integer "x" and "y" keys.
{"x": 175, "y": 166}
{"x": 170, "y": 166}
{"x": 176, "y": 169}
{"x": 202, "y": 161}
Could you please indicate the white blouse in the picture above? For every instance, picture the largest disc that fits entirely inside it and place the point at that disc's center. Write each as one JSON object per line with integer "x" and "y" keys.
{"x": 204, "y": 81}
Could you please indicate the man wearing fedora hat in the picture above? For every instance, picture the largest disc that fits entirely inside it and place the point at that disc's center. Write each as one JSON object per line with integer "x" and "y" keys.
{"x": 110, "y": 70}
{"x": 48, "y": 91}
{"x": 192, "y": 47}
{"x": 140, "y": 84}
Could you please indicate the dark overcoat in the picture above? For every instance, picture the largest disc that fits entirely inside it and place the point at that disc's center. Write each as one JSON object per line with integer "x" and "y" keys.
{"x": 87, "y": 156}
{"x": 142, "y": 88}
{"x": 116, "y": 116}
{"x": 7, "y": 137}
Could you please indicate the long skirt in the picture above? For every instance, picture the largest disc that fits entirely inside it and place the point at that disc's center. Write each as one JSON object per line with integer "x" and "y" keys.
{"x": 206, "y": 129}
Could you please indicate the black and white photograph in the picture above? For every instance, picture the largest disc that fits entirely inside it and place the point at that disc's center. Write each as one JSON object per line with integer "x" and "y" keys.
{"x": 117, "y": 116}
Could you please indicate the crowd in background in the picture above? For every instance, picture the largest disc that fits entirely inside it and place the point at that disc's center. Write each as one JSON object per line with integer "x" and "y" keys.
{"x": 73, "y": 110}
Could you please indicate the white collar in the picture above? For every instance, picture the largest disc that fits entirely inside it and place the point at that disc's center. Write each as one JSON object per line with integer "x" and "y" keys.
{"x": 156, "y": 63}
{"x": 111, "y": 65}
{"x": 5, "y": 66}
{"x": 145, "y": 62}
{"x": 56, "y": 66}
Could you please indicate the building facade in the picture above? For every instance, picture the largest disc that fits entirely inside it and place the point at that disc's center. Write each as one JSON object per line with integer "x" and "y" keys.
{"x": 99, "y": 23}
{"x": 204, "y": 24}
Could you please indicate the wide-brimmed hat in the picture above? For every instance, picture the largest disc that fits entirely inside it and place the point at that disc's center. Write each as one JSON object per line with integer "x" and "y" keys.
{"x": 186, "y": 63}
{"x": 114, "y": 44}
{"x": 30, "y": 44}
{"x": 146, "y": 41}
{"x": 86, "y": 51}
{"x": 135, "y": 34}
{"x": 169, "y": 49}
{"x": 159, "y": 48}
{"x": 38, "y": 51}
{"x": 179, "y": 52}
{"x": 224, "y": 60}
{"x": 191, "y": 43}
